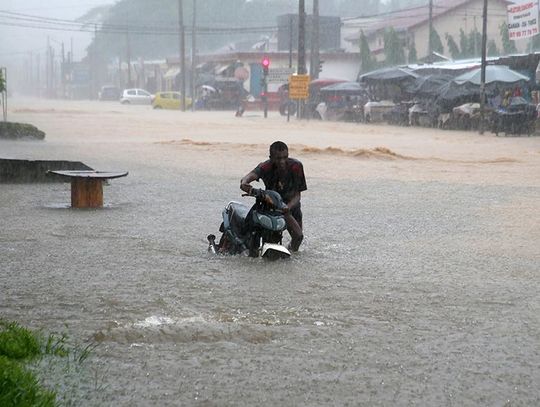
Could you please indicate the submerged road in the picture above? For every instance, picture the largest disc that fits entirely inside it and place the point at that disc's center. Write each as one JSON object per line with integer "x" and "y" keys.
{"x": 417, "y": 283}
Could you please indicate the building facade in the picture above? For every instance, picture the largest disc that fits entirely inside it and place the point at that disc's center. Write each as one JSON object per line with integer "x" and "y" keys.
{"x": 449, "y": 17}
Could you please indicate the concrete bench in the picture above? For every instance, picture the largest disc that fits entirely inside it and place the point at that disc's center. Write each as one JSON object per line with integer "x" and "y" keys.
{"x": 87, "y": 186}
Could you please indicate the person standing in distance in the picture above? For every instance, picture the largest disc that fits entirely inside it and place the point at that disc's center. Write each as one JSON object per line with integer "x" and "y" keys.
{"x": 286, "y": 176}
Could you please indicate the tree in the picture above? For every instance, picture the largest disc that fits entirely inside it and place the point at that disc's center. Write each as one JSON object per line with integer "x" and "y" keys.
{"x": 535, "y": 43}
{"x": 2, "y": 82}
{"x": 367, "y": 63}
{"x": 492, "y": 49}
{"x": 452, "y": 46}
{"x": 393, "y": 50}
{"x": 463, "y": 43}
{"x": 3, "y": 93}
{"x": 436, "y": 43}
{"x": 474, "y": 43}
{"x": 509, "y": 47}
{"x": 413, "y": 55}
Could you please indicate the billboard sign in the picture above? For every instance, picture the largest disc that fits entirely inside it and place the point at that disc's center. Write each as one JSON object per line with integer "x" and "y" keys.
{"x": 522, "y": 19}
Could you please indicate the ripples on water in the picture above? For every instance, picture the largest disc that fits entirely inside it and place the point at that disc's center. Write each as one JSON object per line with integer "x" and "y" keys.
{"x": 386, "y": 271}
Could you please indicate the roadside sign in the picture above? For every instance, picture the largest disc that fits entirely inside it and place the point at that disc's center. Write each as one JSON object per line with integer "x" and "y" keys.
{"x": 298, "y": 86}
{"x": 279, "y": 75}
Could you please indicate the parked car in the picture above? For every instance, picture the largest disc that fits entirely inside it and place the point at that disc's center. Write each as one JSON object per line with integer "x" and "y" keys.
{"x": 169, "y": 100}
{"x": 109, "y": 92}
{"x": 136, "y": 97}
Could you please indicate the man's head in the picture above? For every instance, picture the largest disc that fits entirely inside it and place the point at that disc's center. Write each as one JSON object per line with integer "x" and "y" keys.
{"x": 279, "y": 153}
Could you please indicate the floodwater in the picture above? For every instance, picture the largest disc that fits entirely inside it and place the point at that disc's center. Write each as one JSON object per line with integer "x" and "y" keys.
{"x": 417, "y": 283}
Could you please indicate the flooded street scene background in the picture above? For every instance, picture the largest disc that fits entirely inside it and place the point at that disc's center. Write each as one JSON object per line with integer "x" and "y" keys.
{"x": 417, "y": 282}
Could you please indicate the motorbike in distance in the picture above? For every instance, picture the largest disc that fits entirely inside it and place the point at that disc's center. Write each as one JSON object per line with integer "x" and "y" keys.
{"x": 255, "y": 231}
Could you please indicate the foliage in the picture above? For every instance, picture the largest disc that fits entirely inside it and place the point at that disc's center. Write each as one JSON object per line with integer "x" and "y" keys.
{"x": 129, "y": 23}
{"x": 492, "y": 49}
{"x": 452, "y": 46}
{"x": 19, "y": 387}
{"x": 393, "y": 49}
{"x": 509, "y": 47}
{"x": 463, "y": 43}
{"x": 367, "y": 63}
{"x": 469, "y": 45}
{"x": 535, "y": 43}
{"x": 17, "y": 342}
{"x": 436, "y": 43}
{"x": 2, "y": 82}
{"x": 413, "y": 54}
{"x": 474, "y": 44}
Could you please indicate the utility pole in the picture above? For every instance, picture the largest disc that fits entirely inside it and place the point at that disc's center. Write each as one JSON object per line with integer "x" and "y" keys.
{"x": 128, "y": 59}
{"x": 483, "y": 68}
{"x": 301, "y": 69}
{"x": 315, "y": 44}
{"x": 475, "y": 37}
{"x": 94, "y": 66}
{"x": 182, "y": 55}
{"x": 430, "y": 35}
{"x": 290, "y": 40}
{"x": 31, "y": 71}
{"x": 47, "y": 68}
{"x": 193, "y": 55}
{"x": 290, "y": 64}
{"x": 63, "y": 72}
{"x": 38, "y": 75}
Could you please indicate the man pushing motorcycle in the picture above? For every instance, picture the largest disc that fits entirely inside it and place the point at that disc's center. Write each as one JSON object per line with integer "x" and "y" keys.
{"x": 286, "y": 176}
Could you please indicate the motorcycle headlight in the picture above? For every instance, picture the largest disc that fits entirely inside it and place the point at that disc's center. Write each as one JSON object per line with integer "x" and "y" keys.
{"x": 280, "y": 224}
{"x": 265, "y": 221}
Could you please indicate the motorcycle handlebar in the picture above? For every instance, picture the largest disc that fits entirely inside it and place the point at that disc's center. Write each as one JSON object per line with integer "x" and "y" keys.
{"x": 261, "y": 194}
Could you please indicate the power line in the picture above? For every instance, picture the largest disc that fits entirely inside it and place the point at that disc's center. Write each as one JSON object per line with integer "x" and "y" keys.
{"x": 29, "y": 21}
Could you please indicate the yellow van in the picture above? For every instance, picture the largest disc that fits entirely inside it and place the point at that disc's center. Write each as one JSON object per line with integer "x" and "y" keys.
{"x": 169, "y": 100}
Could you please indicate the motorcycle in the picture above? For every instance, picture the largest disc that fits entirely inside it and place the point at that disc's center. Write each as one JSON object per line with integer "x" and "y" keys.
{"x": 255, "y": 231}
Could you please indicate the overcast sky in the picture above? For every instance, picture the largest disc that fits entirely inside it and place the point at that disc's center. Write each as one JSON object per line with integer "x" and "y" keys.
{"x": 17, "y": 41}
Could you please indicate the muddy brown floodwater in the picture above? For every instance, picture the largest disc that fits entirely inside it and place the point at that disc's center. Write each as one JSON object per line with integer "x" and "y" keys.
{"x": 417, "y": 283}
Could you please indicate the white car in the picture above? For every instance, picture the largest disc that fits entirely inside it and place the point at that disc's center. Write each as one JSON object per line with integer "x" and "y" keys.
{"x": 136, "y": 97}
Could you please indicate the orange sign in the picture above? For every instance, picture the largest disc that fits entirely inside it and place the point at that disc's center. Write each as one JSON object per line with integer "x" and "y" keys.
{"x": 298, "y": 86}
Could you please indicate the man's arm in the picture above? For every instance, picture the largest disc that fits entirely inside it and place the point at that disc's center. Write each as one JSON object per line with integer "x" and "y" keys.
{"x": 245, "y": 182}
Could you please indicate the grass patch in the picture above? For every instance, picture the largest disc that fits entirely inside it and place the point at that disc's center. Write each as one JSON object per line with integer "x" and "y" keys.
{"x": 17, "y": 342}
{"x": 21, "y": 350}
{"x": 19, "y": 387}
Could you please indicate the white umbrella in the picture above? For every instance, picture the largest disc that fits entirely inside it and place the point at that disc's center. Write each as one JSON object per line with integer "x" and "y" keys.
{"x": 494, "y": 73}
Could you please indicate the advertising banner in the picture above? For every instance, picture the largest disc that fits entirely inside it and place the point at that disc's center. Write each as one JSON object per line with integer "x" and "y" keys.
{"x": 522, "y": 19}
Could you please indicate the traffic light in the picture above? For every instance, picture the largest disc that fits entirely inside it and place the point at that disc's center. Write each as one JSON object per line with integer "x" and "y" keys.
{"x": 265, "y": 65}
{"x": 320, "y": 65}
